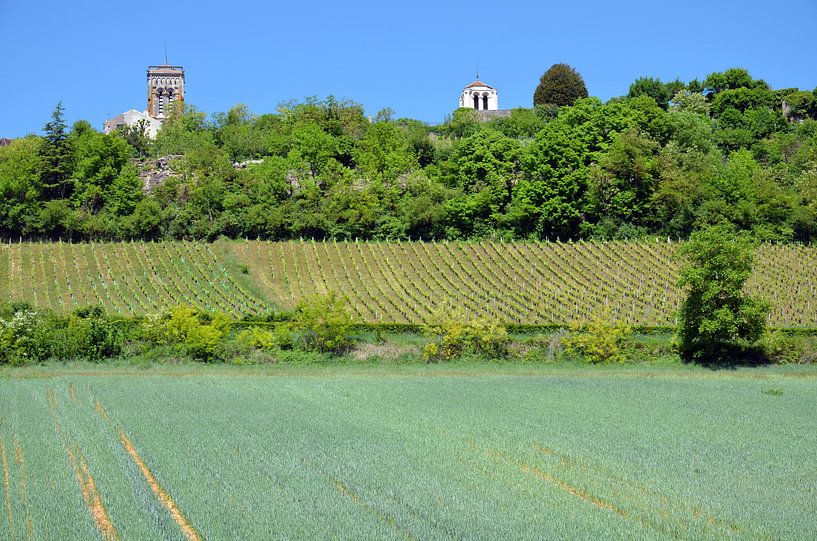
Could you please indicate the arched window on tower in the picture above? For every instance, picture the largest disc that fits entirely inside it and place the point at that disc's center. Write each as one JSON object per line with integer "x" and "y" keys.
{"x": 485, "y": 101}
{"x": 476, "y": 102}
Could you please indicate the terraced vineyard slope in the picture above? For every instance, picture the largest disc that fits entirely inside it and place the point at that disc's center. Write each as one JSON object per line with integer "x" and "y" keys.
{"x": 127, "y": 278}
{"x": 529, "y": 283}
{"x": 401, "y": 282}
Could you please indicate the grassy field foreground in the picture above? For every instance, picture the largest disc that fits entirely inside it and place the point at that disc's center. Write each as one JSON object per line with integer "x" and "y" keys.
{"x": 431, "y": 452}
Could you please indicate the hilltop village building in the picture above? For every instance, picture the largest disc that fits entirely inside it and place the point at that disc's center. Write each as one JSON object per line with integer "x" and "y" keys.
{"x": 165, "y": 85}
{"x": 484, "y": 99}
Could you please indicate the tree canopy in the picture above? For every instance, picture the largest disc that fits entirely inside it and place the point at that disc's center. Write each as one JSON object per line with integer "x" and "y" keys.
{"x": 729, "y": 149}
{"x": 559, "y": 85}
{"x": 717, "y": 318}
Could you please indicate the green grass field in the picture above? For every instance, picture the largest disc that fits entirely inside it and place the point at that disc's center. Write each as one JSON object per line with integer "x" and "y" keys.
{"x": 393, "y": 282}
{"x": 469, "y": 451}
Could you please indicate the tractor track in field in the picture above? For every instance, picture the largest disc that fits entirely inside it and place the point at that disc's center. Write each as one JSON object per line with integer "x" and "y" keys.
{"x": 7, "y": 487}
{"x": 82, "y": 471}
{"x": 160, "y": 493}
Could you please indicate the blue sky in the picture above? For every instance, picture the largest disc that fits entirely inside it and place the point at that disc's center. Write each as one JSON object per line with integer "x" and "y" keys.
{"x": 413, "y": 56}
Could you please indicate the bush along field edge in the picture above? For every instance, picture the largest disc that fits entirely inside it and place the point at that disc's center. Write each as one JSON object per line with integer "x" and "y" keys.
{"x": 323, "y": 329}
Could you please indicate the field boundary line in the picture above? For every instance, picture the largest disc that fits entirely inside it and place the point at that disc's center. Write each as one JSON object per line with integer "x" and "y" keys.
{"x": 160, "y": 493}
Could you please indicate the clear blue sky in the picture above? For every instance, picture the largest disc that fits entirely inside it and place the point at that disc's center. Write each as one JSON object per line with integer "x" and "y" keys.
{"x": 413, "y": 56}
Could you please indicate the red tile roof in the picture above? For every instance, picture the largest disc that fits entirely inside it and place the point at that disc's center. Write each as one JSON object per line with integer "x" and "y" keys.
{"x": 479, "y": 83}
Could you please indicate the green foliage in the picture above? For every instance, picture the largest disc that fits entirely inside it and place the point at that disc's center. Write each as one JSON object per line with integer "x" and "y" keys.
{"x": 781, "y": 348}
{"x": 17, "y": 337}
{"x": 559, "y": 85}
{"x": 452, "y": 334}
{"x": 385, "y": 152}
{"x": 599, "y": 341}
{"x": 324, "y": 323}
{"x": 650, "y": 163}
{"x": 654, "y": 88}
{"x": 280, "y": 337}
{"x": 717, "y": 318}
{"x": 731, "y": 79}
{"x": 88, "y": 333}
{"x": 196, "y": 334}
{"x": 462, "y": 123}
{"x": 688, "y": 101}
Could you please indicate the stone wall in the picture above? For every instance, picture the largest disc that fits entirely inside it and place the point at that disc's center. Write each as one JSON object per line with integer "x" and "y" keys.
{"x": 485, "y": 116}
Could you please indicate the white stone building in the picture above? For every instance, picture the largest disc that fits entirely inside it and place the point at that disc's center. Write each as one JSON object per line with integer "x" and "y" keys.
{"x": 479, "y": 96}
{"x": 132, "y": 118}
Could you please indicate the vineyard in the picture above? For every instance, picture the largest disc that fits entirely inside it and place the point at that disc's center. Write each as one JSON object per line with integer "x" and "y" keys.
{"x": 126, "y": 278}
{"x": 527, "y": 283}
{"x": 392, "y": 282}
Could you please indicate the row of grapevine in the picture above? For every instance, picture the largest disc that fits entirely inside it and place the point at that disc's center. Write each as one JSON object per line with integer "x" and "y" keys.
{"x": 404, "y": 282}
{"x": 521, "y": 282}
{"x": 127, "y": 278}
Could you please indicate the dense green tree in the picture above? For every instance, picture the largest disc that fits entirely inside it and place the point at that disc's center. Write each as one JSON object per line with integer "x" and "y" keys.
{"x": 462, "y": 123}
{"x": 485, "y": 166}
{"x": 625, "y": 178}
{"x": 688, "y": 101}
{"x": 385, "y": 152}
{"x": 21, "y": 190}
{"x": 717, "y": 318}
{"x": 136, "y": 136}
{"x": 654, "y": 88}
{"x": 559, "y": 85}
{"x": 731, "y": 79}
{"x": 98, "y": 162}
{"x": 520, "y": 124}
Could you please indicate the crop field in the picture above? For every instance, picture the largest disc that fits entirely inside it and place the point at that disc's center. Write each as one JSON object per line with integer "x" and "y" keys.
{"x": 421, "y": 453}
{"x": 393, "y": 282}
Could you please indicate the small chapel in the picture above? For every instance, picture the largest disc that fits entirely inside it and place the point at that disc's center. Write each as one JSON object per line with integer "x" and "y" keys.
{"x": 479, "y": 96}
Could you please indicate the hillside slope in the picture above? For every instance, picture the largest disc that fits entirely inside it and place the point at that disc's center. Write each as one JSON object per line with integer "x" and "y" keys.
{"x": 532, "y": 283}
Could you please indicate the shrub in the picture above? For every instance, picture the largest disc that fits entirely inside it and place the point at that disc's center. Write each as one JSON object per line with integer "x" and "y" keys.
{"x": 452, "y": 334}
{"x": 599, "y": 341}
{"x": 198, "y": 335}
{"x": 31, "y": 336}
{"x": 16, "y": 336}
{"x": 782, "y": 349}
{"x": 324, "y": 323}
{"x": 279, "y": 337}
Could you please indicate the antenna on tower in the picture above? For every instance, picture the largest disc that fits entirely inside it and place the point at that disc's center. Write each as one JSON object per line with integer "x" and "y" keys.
{"x": 477, "y": 71}
{"x": 166, "y": 64}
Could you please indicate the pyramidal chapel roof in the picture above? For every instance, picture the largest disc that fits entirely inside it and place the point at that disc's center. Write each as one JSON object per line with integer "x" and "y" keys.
{"x": 479, "y": 83}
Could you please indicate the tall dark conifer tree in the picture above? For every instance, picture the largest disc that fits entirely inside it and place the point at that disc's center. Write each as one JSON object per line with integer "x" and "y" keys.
{"x": 56, "y": 154}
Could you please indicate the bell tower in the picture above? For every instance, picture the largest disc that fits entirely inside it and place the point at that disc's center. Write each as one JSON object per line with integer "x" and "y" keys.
{"x": 165, "y": 86}
{"x": 479, "y": 96}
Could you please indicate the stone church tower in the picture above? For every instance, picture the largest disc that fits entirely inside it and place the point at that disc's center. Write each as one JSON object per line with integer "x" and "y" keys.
{"x": 165, "y": 85}
{"x": 479, "y": 96}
